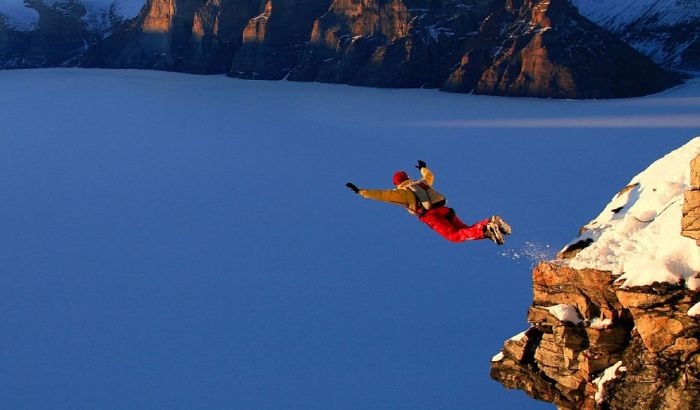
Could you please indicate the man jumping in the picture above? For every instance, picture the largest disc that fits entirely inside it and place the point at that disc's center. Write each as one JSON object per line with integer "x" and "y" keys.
{"x": 421, "y": 199}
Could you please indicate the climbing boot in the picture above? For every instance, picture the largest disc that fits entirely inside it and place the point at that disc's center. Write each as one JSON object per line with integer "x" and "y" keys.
{"x": 501, "y": 224}
{"x": 492, "y": 231}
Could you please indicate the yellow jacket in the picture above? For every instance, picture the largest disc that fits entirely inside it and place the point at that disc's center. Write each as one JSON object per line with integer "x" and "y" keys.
{"x": 401, "y": 195}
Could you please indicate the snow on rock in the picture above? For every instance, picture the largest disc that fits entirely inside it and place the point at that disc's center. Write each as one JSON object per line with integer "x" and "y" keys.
{"x": 661, "y": 29}
{"x": 638, "y": 234}
{"x": 617, "y": 13}
{"x": 598, "y": 323}
{"x": 15, "y": 15}
{"x": 498, "y": 357}
{"x": 520, "y": 336}
{"x": 565, "y": 313}
{"x": 18, "y": 16}
{"x": 695, "y": 310}
{"x": 608, "y": 375}
{"x": 98, "y": 12}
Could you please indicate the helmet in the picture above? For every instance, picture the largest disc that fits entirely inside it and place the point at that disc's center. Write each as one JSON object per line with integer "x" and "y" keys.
{"x": 399, "y": 177}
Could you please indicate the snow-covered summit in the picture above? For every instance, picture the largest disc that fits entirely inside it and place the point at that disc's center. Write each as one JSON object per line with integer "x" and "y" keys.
{"x": 17, "y": 15}
{"x": 615, "y": 14}
{"x": 99, "y": 11}
{"x": 638, "y": 234}
{"x": 665, "y": 30}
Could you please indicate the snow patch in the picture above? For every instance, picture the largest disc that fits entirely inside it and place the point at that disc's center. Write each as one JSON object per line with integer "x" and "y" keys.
{"x": 99, "y": 13}
{"x": 565, "y": 313}
{"x": 615, "y": 14}
{"x": 637, "y": 236}
{"x": 520, "y": 336}
{"x": 695, "y": 310}
{"x": 598, "y": 323}
{"x": 608, "y": 375}
{"x": 498, "y": 357}
{"x": 15, "y": 15}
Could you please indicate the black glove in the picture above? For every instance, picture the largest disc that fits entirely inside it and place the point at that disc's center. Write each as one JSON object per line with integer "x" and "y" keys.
{"x": 421, "y": 164}
{"x": 353, "y": 187}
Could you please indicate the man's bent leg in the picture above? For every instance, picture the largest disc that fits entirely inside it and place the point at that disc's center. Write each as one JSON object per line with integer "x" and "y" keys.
{"x": 453, "y": 229}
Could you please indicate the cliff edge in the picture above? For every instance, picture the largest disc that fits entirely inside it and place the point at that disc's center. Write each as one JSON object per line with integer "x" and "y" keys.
{"x": 615, "y": 319}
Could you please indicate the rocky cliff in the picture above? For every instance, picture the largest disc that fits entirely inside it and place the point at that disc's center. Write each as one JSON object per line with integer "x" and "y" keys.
{"x": 58, "y": 37}
{"x": 665, "y": 30}
{"x": 545, "y": 48}
{"x": 615, "y": 320}
{"x": 517, "y": 48}
{"x": 195, "y": 36}
{"x": 538, "y": 48}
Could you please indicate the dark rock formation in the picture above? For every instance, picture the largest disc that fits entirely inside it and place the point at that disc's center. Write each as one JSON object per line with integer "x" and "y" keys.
{"x": 665, "y": 30}
{"x": 537, "y": 48}
{"x": 196, "y": 36}
{"x": 546, "y": 49}
{"x": 274, "y": 40}
{"x": 624, "y": 348}
{"x": 390, "y": 43}
{"x": 514, "y": 48}
{"x": 59, "y": 39}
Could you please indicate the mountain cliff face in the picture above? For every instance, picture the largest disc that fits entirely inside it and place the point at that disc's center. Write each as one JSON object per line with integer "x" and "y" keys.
{"x": 538, "y": 48}
{"x": 615, "y": 320}
{"x": 56, "y": 33}
{"x": 274, "y": 40}
{"x": 55, "y": 37}
{"x": 516, "y": 48}
{"x": 195, "y": 36}
{"x": 545, "y": 48}
{"x": 665, "y": 30}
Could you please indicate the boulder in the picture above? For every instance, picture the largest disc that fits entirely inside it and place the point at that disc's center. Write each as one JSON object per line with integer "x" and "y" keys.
{"x": 690, "y": 224}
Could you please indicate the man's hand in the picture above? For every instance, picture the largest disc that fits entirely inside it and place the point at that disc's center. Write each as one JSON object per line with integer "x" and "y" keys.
{"x": 353, "y": 187}
{"x": 421, "y": 164}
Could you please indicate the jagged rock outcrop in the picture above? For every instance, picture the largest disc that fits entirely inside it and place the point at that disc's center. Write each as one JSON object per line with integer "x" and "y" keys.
{"x": 274, "y": 40}
{"x": 389, "y": 43}
{"x": 598, "y": 342}
{"x": 515, "y": 48}
{"x": 195, "y": 36}
{"x": 665, "y": 30}
{"x": 691, "y": 205}
{"x": 537, "y": 48}
{"x": 545, "y": 48}
{"x": 58, "y": 39}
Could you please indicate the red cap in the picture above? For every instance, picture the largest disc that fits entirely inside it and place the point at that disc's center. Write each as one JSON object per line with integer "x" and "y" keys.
{"x": 399, "y": 177}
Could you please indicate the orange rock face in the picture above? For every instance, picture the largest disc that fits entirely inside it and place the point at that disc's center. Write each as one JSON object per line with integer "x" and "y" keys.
{"x": 690, "y": 223}
{"x": 645, "y": 331}
{"x": 159, "y": 17}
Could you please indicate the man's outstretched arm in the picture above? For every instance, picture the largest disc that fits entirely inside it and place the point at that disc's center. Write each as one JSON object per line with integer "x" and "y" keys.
{"x": 392, "y": 196}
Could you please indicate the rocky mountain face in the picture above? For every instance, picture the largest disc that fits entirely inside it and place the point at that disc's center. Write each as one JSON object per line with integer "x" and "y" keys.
{"x": 514, "y": 48}
{"x": 539, "y": 48}
{"x": 545, "y": 48}
{"x": 597, "y": 344}
{"x": 665, "y": 30}
{"x": 59, "y": 37}
{"x": 194, "y": 36}
{"x": 274, "y": 40}
{"x": 690, "y": 223}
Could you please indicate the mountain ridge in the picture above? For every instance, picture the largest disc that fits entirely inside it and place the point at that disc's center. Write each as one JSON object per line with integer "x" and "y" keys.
{"x": 534, "y": 48}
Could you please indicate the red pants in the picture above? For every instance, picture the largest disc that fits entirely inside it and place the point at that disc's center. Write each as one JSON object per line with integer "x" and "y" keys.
{"x": 452, "y": 228}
